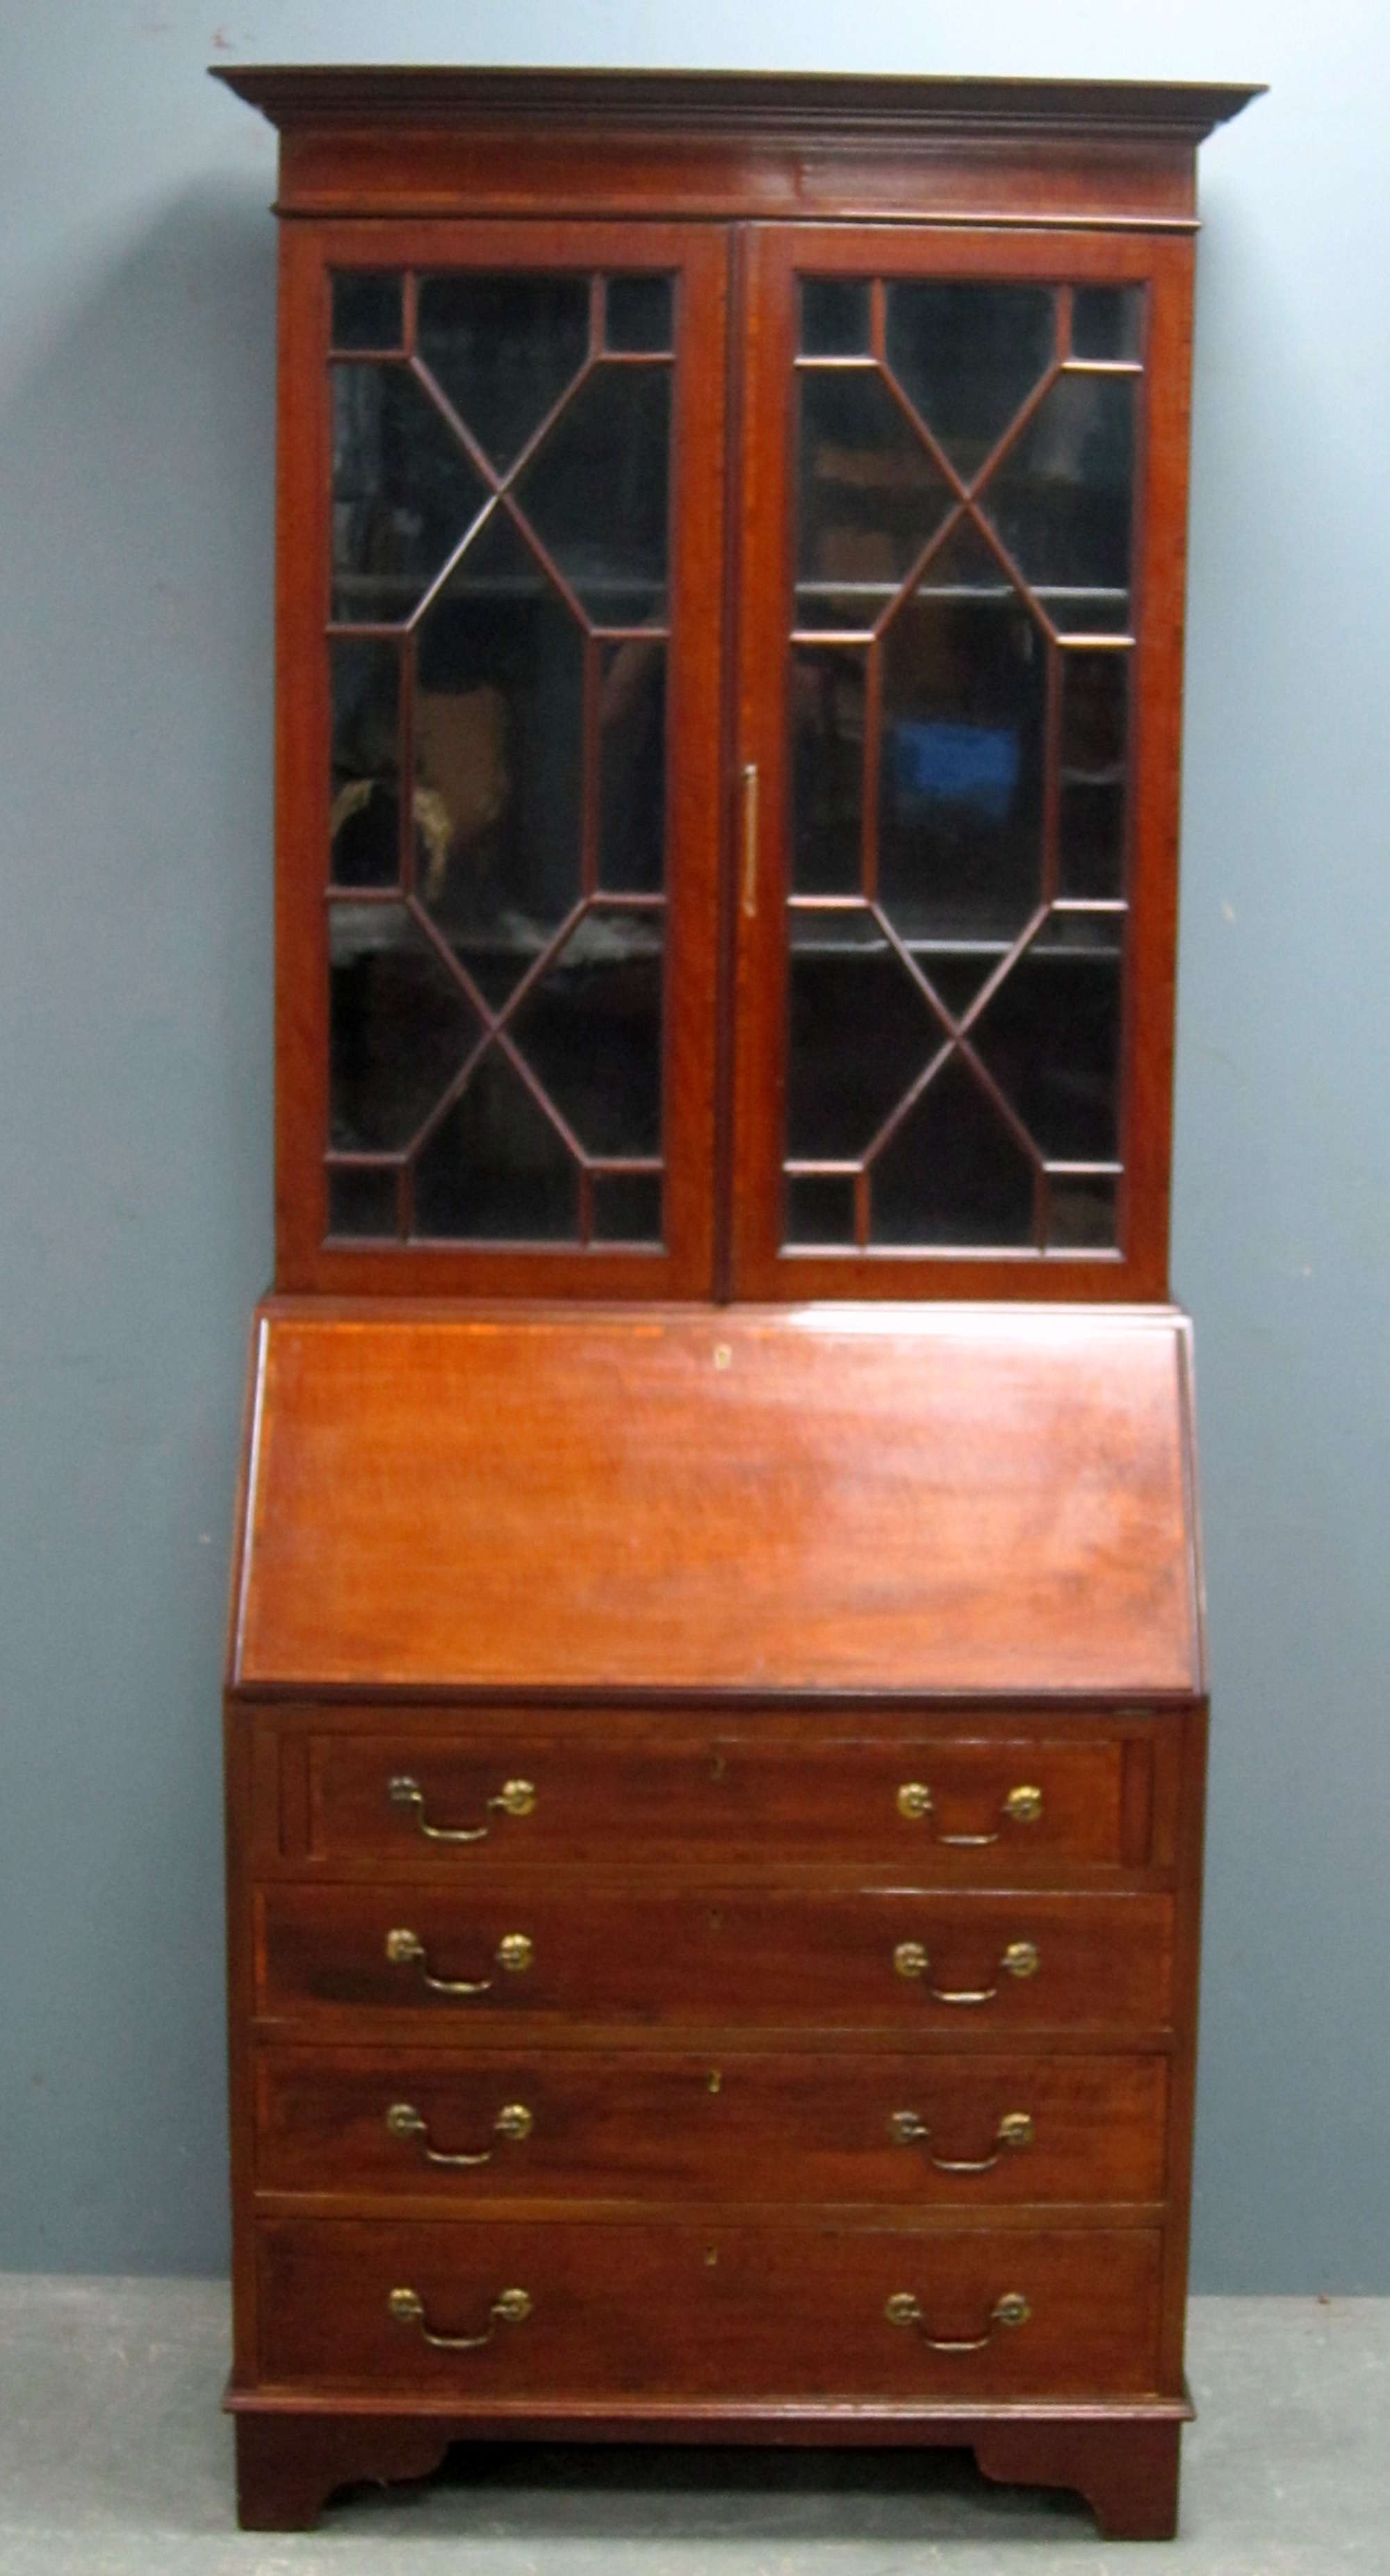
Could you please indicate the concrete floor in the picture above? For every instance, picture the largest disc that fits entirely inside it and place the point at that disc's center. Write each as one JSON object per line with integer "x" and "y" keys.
{"x": 114, "y": 2459}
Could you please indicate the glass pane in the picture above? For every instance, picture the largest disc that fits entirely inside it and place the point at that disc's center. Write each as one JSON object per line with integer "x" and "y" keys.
{"x": 404, "y": 493}
{"x": 632, "y": 768}
{"x": 820, "y": 1209}
{"x": 367, "y": 309}
{"x": 1051, "y": 1038}
{"x": 834, "y": 317}
{"x": 1063, "y": 500}
{"x": 503, "y": 349}
{"x": 828, "y": 770}
{"x": 869, "y": 498}
{"x": 961, "y": 790}
{"x": 953, "y": 1173}
{"x": 596, "y": 492}
{"x": 957, "y": 972}
{"x": 639, "y": 313}
{"x": 861, "y": 1032}
{"x": 1107, "y": 321}
{"x": 399, "y": 1027}
{"x": 627, "y": 1207}
{"x": 364, "y": 824}
{"x": 362, "y": 1202}
{"x": 494, "y": 1169}
{"x": 1083, "y": 1212}
{"x": 591, "y": 1033}
{"x": 499, "y": 738}
{"x": 1091, "y": 821}
{"x": 967, "y": 356}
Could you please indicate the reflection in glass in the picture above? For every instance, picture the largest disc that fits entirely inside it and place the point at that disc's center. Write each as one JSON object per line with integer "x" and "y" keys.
{"x": 967, "y": 356}
{"x": 953, "y": 1173}
{"x": 834, "y": 317}
{"x": 499, "y": 708}
{"x": 367, "y": 308}
{"x": 961, "y": 791}
{"x": 639, "y": 313}
{"x": 861, "y": 1032}
{"x": 1083, "y": 1211}
{"x": 828, "y": 769}
{"x": 362, "y": 1202}
{"x": 627, "y": 1207}
{"x": 1107, "y": 322}
{"x": 820, "y": 1209}
{"x": 494, "y": 1169}
{"x": 1051, "y": 1038}
{"x": 869, "y": 498}
{"x": 404, "y": 493}
{"x": 596, "y": 492}
{"x": 632, "y": 767}
{"x": 1091, "y": 814}
{"x": 503, "y": 348}
{"x": 364, "y": 820}
{"x": 1062, "y": 500}
{"x": 399, "y": 1027}
{"x": 590, "y": 1030}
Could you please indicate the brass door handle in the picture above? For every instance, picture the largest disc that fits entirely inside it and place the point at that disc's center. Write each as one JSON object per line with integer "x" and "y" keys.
{"x": 404, "y": 2121}
{"x": 514, "y": 1798}
{"x": 1010, "y": 2310}
{"x": 509, "y": 2308}
{"x": 404, "y": 1949}
{"x": 1014, "y": 2130}
{"x": 1019, "y": 1960}
{"x": 750, "y": 840}
{"x": 1022, "y": 1806}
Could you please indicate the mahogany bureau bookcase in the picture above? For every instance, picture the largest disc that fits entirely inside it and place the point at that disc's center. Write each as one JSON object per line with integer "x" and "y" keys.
{"x": 716, "y": 1704}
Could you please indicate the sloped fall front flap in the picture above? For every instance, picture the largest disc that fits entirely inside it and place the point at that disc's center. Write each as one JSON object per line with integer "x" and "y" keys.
{"x": 886, "y": 1499}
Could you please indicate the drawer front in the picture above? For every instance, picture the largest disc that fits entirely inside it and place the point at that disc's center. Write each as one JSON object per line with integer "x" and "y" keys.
{"x": 650, "y": 2312}
{"x": 914, "y": 2131}
{"x": 882, "y": 1959}
{"x": 954, "y": 1802}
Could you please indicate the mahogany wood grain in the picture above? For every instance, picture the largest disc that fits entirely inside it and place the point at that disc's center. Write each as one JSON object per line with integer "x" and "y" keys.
{"x": 566, "y": 1499}
{"x": 289, "y": 2465}
{"x": 1127, "y": 2470}
{"x": 711, "y": 1957}
{"x": 727, "y": 145}
{"x": 709, "y": 2310}
{"x": 1122, "y": 2458}
{"x": 718, "y": 1581}
{"x": 619, "y": 1795}
{"x": 741, "y": 2127}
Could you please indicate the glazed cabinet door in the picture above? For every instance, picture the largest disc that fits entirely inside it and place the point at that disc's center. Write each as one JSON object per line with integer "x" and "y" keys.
{"x": 500, "y": 569}
{"x": 961, "y": 578}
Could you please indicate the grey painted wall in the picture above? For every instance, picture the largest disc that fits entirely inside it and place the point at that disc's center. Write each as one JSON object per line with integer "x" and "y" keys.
{"x": 136, "y": 319}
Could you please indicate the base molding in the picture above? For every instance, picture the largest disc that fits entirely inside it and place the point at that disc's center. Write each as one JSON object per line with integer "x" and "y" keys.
{"x": 1123, "y": 2459}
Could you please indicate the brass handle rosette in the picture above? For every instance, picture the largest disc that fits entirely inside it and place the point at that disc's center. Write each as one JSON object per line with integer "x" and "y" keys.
{"x": 911, "y": 1960}
{"x": 509, "y": 2308}
{"x": 1015, "y": 2130}
{"x": 1010, "y": 2310}
{"x": 1022, "y": 1806}
{"x": 404, "y": 1948}
{"x": 404, "y": 2121}
{"x": 514, "y": 1798}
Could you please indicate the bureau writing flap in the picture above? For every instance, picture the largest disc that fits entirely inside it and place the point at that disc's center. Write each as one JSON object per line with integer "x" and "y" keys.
{"x": 909, "y": 1500}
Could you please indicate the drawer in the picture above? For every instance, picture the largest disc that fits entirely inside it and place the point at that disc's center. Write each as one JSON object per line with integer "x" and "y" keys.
{"x": 956, "y": 1800}
{"x": 835, "y": 1960}
{"x": 649, "y": 2312}
{"x": 915, "y": 2130}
